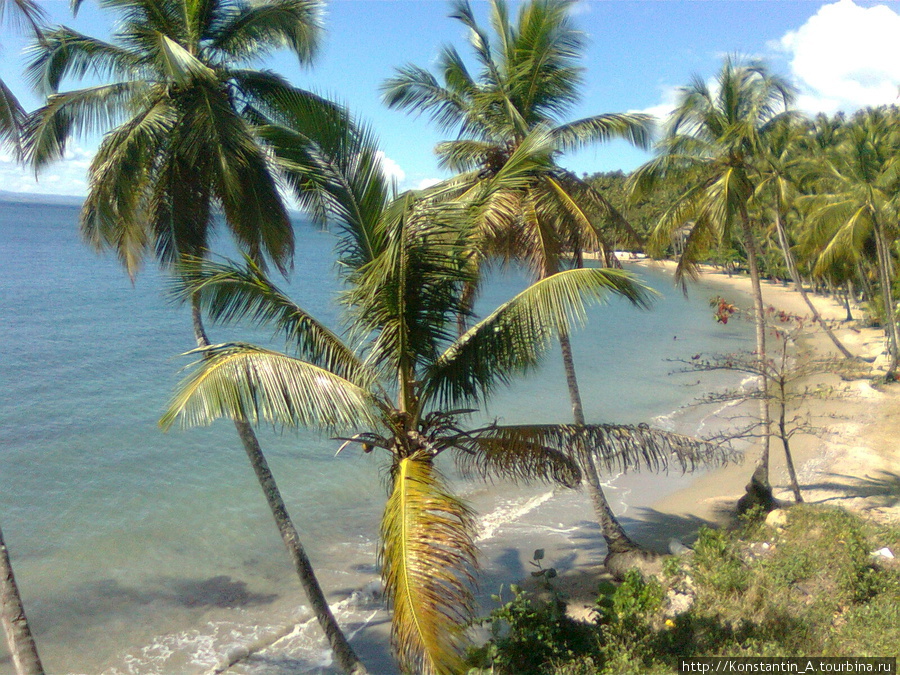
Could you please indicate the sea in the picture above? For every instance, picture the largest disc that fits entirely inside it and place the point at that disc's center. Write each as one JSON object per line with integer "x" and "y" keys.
{"x": 138, "y": 551}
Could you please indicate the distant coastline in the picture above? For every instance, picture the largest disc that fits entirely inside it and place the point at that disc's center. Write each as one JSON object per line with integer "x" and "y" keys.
{"x": 40, "y": 198}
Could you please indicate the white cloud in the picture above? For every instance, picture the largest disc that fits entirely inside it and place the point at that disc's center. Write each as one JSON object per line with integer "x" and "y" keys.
{"x": 390, "y": 168}
{"x": 65, "y": 177}
{"x": 845, "y": 57}
{"x": 664, "y": 108}
{"x": 426, "y": 183}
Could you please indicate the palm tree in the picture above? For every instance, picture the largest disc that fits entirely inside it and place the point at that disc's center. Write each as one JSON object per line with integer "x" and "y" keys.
{"x": 182, "y": 148}
{"x": 781, "y": 165}
{"x": 856, "y": 202}
{"x": 529, "y": 80}
{"x": 21, "y": 643}
{"x": 714, "y": 139}
{"x": 411, "y": 380}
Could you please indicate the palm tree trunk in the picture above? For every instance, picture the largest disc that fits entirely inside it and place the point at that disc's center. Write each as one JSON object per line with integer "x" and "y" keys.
{"x": 758, "y": 490}
{"x": 15, "y": 624}
{"x": 848, "y": 291}
{"x": 798, "y": 284}
{"x": 613, "y": 532}
{"x": 346, "y": 658}
{"x": 885, "y": 276}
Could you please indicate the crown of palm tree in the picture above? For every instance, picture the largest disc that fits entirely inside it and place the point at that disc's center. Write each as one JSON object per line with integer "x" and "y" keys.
{"x": 713, "y": 140}
{"x": 408, "y": 384}
{"x": 180, "y": 106}
{"x": 528, "y": 80}
{"x": 28, "y": 16}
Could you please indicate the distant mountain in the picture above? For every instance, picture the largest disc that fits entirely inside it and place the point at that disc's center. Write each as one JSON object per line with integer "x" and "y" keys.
{"x": 34, "y": 198}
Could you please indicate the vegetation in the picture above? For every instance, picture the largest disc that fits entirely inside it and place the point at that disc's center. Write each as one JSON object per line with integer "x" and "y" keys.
{"x": 811, "y": 586}
{"x": 196, "y": 136}
{"x": 183, "y": 145}
{"x": 529, "y": 80}
{"x": 406, "y": 384}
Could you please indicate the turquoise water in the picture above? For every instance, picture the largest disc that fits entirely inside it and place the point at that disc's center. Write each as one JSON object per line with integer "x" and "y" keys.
{"x": 138, "y": 551}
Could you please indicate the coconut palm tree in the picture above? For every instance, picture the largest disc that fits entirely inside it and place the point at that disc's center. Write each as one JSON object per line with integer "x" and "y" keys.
{"x": 781, "y": 167}
{"x": 407, "y": 385}
{"x": 21, "y": 643}
{"x": 714, "y": 140}
{"x": 529, "y": 79}
{"x": 856, "y": 202}
{"x": 180, "y": 148}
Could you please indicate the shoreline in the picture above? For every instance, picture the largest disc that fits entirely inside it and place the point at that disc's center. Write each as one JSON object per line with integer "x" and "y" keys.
{"x": 851, "y": 464}
{"x": 661, "y": 507}
{"x": 854, "y": 444}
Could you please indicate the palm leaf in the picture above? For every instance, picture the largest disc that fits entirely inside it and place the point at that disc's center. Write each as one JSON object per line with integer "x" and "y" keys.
{"x": 12, "y": 117}
{"x": 636, "y": 128}
{"x": 513, "y": 338}
{"x": 67, "y": 53}
{"x": 616, "y": 447}
{"x": 80, "y": 112}
{"x": 503, "y": 452}
{"x": 427, "y": 561}
{"x": 256, "y": 29}
{"x": 229, "y": 293}
{"x": 243, "y": 382}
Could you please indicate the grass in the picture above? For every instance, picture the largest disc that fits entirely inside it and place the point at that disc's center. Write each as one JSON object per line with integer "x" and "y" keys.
{"x": 810, "y": 588}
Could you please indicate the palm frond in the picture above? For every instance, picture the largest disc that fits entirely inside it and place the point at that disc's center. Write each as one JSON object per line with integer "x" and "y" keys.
{"x": 636, "y": 128}
{"x": 254, "y": 30}
{"x": 24, "y": 15}
{"x": 67, "y": 53}
{"x": 514, "y": 337}
{"x": 80, "y": 112}
{"x": 180, "y": 65}
{"x": 502, "y": 452}
{"x": 113, "y": 215}
{"x": 244, "y": 382}
{"x": 229, "y": 293}
{"x": 12, "y": 117}
{"x": 428, "y": 561}
{"x": 416, "y": 90}
{"x": 618, "y": 447}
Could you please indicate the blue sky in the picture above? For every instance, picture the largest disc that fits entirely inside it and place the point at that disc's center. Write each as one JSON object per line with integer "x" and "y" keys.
{"x": 841, "y": 55}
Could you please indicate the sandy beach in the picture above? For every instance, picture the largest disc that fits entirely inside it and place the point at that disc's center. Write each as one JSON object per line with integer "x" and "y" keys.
{"x": 852, "y": 461}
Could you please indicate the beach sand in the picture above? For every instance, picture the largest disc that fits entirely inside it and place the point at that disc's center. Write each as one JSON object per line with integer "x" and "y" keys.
{"x": 854, "y": 462}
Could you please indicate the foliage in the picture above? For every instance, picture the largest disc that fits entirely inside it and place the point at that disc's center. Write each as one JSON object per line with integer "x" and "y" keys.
{"x": 403, "y": 381}
{"x": 811, "y": 587}
{"x": 530, "y": 635}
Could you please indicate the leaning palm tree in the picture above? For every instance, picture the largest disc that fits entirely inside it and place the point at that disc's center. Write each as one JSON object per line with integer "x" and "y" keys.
{"x": 22, "y": 647}
{"x": 529, "y": 79}
{"x": 21, "y": 643}
{"x": 714, "y": 140}
{"x": 856, "y": 201}
{"x": 781, "y": 167}
{"x": 182, "y": 148}
{"x": 408, "y": 382}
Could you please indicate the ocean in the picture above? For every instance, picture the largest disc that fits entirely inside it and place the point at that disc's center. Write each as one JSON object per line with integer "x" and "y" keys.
{"x": 138, "y": 551}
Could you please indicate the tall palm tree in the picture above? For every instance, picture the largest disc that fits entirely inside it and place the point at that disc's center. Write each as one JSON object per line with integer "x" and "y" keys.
{"x": 781, "y": 167}
{"x": 529, "y": 79}
{"x": 714, "y": 139}
{"x": 22, "y": 647}
{"x": 856, "y": 201}
{"x": 180, "y": 148}
{"x": 408, "y": 385}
